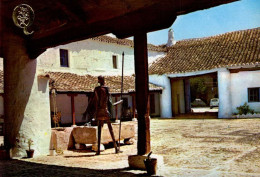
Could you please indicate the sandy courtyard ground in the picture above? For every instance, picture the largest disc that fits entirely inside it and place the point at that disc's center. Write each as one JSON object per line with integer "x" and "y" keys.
{"x": 211, "y": 147}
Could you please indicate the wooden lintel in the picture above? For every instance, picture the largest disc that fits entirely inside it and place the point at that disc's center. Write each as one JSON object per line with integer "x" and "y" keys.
{"x": 72, "y": 94}
{"x": 244, "y": 69}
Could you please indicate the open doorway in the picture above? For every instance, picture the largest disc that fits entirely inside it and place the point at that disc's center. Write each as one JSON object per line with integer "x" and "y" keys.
{"x": 195, "y": 96}
{"x": 204, "y": 93}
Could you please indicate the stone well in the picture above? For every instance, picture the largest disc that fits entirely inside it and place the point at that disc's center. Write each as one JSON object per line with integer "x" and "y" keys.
{"x": 66, "y": 138}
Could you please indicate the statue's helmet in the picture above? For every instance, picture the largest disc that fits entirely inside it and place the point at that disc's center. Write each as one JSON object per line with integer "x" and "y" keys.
{"x": 101, "y": 80}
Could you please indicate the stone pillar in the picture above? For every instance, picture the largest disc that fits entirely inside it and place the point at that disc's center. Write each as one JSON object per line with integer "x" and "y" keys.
{"x": 142, "y": 91}
{"x": 224, "y": 84}
{"x": 27, "y": 106}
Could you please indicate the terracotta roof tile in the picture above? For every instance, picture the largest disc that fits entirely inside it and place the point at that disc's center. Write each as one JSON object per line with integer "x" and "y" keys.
{"x": 65, "y": 82}
{"x": 128, "y": 42}
{"x": 230, "y": 49}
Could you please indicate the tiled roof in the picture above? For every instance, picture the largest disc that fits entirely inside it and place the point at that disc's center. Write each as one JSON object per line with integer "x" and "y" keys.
{"x": 237, "y": 48}
{"x": 127, "y": 42}
{"x": 68, "y": 82}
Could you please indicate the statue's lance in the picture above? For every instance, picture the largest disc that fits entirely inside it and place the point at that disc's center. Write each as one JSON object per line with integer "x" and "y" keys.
{"x": 122, "y": 87}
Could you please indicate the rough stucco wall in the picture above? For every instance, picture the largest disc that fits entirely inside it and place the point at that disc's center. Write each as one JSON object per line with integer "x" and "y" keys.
{"x": 27, "y": 111}
{"x": 224, "y": 92}
{"x": 165, "y": 100}
{"x": 36, "y": 124}
{"x": 240, "y": 82}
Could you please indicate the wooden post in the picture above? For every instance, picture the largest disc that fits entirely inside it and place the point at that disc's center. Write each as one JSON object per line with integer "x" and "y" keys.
{"x": 116, "y": 108}
{"x": 73, "y": 108}
{"x": 187, "y": 95}
{"x": 133, "y": 105}
{"x": 142, "y": 91}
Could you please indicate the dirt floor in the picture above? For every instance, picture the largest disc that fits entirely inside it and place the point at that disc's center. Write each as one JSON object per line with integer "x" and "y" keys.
{"x": 210, "y": 147}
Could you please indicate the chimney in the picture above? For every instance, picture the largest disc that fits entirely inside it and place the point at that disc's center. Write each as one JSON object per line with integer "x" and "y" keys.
{"x": 171, "y": 40}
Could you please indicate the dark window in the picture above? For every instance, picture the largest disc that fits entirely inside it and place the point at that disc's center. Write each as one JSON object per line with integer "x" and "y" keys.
{"x": 152, "y": 104}
{"x": 114, "y": 61}
{"x": 64, "y": 58}
{"x": 253, "y": 94}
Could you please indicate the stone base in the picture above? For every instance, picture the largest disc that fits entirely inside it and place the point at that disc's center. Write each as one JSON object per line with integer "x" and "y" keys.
{"x": 88, "y": 135}
{"x": 137, "y": 161}
{"x": 61, "y": 138}
{"x": 95, "y": 147}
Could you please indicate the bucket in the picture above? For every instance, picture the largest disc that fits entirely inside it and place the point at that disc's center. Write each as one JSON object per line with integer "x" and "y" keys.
{"x": 151, "y": 166}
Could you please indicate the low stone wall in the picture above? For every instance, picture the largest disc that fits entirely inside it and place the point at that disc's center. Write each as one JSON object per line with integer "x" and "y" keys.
{"x": 66, "y": 137}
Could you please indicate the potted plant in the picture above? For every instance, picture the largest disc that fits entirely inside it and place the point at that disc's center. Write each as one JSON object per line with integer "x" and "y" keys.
{"x": 30, "y": 151}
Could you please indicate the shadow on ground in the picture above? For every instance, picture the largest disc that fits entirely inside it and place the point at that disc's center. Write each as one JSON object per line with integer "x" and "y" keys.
{"x": 15, "y": 168}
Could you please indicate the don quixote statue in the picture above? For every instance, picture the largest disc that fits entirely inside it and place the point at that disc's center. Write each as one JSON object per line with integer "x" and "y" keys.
{"x": 98, "y": 108}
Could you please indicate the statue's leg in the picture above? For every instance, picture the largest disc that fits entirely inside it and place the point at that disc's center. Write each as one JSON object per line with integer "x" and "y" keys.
{"x": 100, "y": 125}
{"x": 112, "y": 134}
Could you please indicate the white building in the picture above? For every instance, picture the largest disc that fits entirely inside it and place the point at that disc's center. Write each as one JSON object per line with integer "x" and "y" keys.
{"x": 233, "y": 59}
{"x": 73, "y": 68}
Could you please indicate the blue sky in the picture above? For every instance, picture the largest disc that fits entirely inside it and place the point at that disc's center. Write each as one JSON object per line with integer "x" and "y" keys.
{"x": 244, "y": 14}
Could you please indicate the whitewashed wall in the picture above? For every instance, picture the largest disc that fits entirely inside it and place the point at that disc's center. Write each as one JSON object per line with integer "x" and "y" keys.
{"x": 36, "y": 124}
{"x": 93, "y": 57}
{"x": 240, "y": 82}
{"x": 153, "y": 56}
{"x": 165, "y": 99}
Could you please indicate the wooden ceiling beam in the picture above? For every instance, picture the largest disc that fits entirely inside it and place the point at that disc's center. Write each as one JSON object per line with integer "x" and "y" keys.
{"x": 62, "y": 21}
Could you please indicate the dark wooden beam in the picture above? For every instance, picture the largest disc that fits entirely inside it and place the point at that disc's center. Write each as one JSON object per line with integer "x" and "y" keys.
{"x": 244, "y": 69}
{"x": 142, "y": 91}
